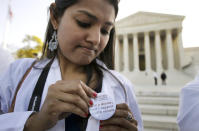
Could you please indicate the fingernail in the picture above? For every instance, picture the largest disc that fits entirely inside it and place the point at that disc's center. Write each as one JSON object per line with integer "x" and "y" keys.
{"x": 100, "y": 126}
{"x": 86, "y": 115}
{"x": 100, "y": 121}
{"x": 95, "y": 94}
{"x": 91, "y": 102}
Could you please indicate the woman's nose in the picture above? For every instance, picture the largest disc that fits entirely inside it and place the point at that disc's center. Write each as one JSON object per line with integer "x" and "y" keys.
{"x": 94, "y": 36}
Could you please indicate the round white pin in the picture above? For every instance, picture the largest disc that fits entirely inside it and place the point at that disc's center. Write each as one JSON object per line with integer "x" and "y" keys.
{"x": 103, "y": 107}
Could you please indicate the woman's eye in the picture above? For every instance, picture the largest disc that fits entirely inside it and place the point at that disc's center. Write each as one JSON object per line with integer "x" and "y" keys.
{"x": 83, "y": 24}
{"x": 104, "y": 32}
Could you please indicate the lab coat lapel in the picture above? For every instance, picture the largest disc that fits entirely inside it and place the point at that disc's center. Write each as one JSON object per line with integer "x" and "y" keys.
{"x": 53, "y": 76}
{"x": 93, "y": 124}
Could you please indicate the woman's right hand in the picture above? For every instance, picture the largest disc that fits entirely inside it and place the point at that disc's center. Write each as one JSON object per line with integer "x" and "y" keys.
{"x": 63, "y": 98}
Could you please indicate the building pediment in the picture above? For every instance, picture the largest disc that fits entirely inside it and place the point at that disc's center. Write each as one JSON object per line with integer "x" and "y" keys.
{"x": 147, "y": 18}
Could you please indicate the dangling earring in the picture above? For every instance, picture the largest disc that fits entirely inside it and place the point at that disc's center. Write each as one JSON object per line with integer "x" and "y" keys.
{"x": 53, "y": 42}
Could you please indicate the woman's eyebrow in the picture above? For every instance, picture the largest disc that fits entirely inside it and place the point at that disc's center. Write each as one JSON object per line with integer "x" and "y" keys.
{"x": 88, "y": 14}
{"x": 108, "y": 23}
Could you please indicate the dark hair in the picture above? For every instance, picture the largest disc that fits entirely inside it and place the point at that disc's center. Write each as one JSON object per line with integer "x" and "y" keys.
{"x": 106, "y": 56}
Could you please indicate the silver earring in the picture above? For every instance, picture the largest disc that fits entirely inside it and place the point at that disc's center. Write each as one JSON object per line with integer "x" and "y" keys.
{"x": 53, "y": 42}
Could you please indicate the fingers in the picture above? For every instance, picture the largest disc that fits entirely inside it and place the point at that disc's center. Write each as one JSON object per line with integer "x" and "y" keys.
{"x": 79, "y": 88}
{"x": 124, "y": 114}
{"x": 119, "y": 120}
{"x": 74, "y": 99}
{"x": 90, "y": 92}
{"x": 123, "y": 111}
{"x": 70, "y": 108}
{"x": 74, "y": 86}
{"x": 73, "y": 96}
{"x": 123, "y": 106}
{"x": 64, "y": 98}
{"x": 59, "y": 109}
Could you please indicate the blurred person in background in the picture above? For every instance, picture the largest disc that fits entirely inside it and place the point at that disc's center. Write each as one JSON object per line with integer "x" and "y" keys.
{"x": 188, "y": 114}
{"x": 163, "y": 78}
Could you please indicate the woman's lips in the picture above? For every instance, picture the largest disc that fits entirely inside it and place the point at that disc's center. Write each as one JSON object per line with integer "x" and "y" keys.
{"x": 88, "y": 50}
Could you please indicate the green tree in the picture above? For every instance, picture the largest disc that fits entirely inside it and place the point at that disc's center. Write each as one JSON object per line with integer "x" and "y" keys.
{"x": 32, "y": 49}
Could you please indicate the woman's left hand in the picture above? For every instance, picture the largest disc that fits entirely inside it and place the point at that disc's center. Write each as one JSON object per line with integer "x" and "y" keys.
{"x": 122, "y": 120}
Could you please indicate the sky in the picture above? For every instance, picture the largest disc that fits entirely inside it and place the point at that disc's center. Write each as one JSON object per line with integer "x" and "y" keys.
{"x": 30, "y": 17}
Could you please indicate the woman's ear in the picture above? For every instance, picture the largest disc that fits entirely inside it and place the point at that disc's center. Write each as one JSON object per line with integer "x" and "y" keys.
{"x": 53, "y": 17}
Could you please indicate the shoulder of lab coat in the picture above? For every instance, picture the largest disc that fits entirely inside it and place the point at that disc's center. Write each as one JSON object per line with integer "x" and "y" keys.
{"x": 188, "y": 115}
{"x": 9, "y": 80}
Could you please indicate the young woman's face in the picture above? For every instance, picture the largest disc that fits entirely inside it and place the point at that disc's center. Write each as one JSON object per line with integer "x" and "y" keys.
{"x": 83, "y": 31}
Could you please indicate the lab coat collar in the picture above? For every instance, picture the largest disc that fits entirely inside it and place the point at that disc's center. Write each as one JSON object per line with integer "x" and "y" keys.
{"x": 42, "y": 63}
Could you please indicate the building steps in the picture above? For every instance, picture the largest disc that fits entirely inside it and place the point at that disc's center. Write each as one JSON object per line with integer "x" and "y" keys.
{"x": 149, "y": 129}
{"x": 158, "y": 100}
{"x": 159, "y": 108}
{"x": 160, "y": 122}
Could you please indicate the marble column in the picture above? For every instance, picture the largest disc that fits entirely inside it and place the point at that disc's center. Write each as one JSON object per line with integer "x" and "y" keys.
{"x": 126, "y": 53}
{"x": 147, "y": 51}
{"x": 180, "y": 48}
{"x": 158, "y": 52}
{"x": 135, "y": 51}
{"x": 169, "y": 44}
{"x": 117, "y": 53}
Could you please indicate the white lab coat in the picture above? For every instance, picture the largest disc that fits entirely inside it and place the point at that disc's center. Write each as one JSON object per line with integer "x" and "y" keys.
{"x": 8, "y": 82}
{"x": 188, "y": 115}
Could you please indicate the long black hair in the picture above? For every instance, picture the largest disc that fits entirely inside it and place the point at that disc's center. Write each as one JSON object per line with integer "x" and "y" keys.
{"x": 106, "y": 56}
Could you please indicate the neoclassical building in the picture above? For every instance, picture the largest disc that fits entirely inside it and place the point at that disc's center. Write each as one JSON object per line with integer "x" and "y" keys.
{"x": 149, "y": 42}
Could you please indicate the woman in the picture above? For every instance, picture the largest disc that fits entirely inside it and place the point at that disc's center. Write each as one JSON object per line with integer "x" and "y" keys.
{"x": 189, "y": 107}
{"x": 57, "y": 91}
